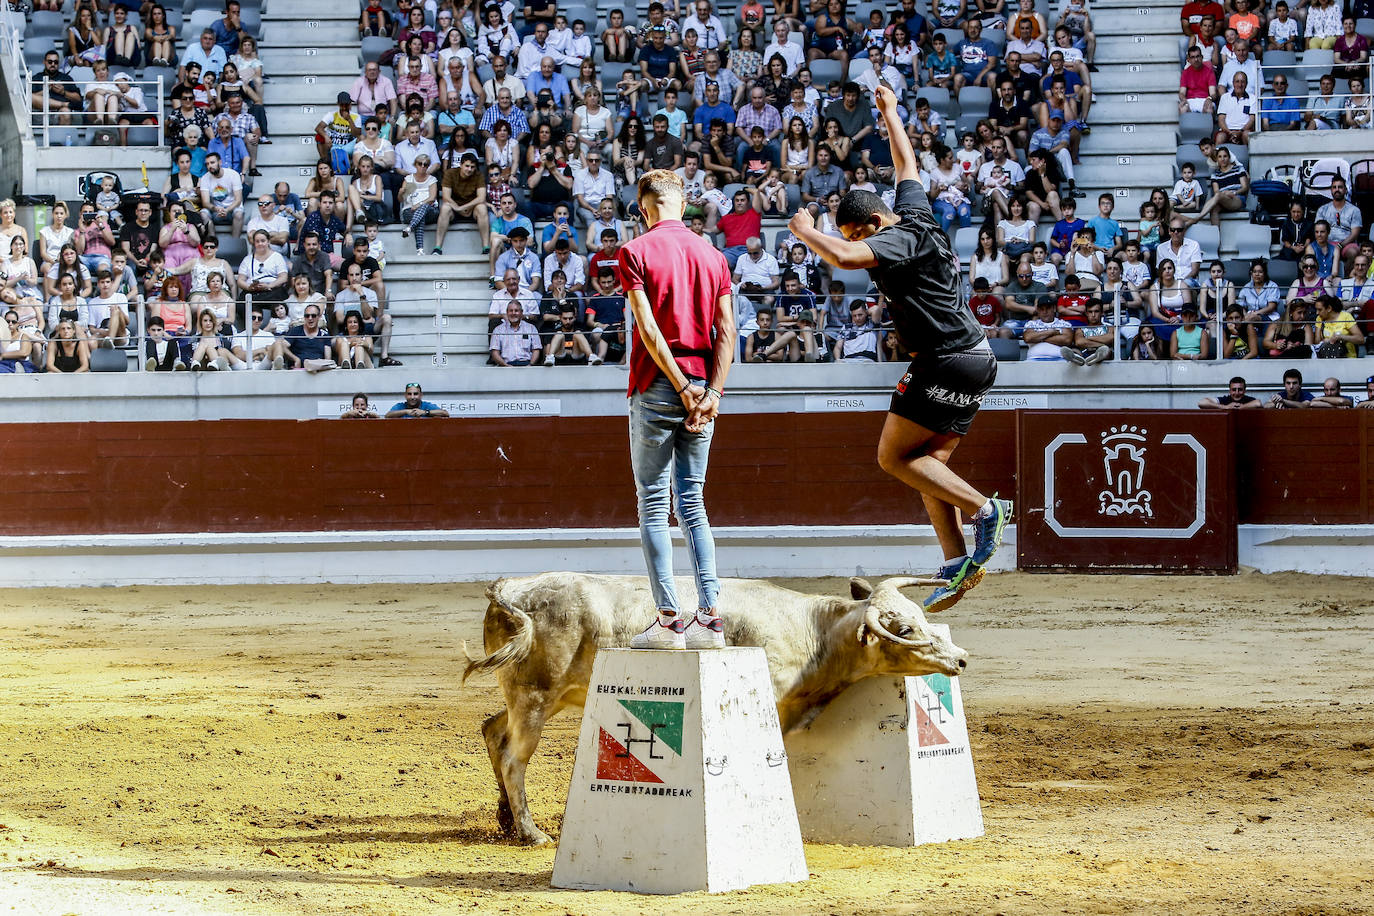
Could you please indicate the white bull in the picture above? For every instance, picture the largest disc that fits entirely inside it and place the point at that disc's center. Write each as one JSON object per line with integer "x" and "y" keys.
{"x": 541, "y": 634}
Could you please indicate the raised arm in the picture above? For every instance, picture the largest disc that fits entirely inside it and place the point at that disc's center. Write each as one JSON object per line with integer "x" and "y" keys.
{"x": 904, "y": 161}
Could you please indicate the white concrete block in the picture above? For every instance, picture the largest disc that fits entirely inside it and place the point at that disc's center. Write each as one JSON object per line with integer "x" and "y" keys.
{"x": 888, "y": 763}
{"x": 680, "y": 782}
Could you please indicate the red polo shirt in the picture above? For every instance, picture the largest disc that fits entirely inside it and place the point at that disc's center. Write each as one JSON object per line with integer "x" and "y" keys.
{"x": 683, "y": 277}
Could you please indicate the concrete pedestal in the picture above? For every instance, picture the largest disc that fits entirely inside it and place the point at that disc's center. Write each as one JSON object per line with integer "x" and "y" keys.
{"x": 681, "y": 781}
{"x": 887, "y": 763}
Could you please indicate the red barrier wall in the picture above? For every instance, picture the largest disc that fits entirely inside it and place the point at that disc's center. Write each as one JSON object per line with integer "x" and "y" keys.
{"x": 767, "y": 469}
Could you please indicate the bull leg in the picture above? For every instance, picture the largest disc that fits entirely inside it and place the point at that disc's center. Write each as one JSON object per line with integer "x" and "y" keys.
{"x": 525, "y": 722}
{"x": 497, "y": 738}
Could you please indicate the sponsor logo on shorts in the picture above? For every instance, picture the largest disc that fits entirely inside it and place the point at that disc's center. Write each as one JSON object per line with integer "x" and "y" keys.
{"x": 943, "y": 395}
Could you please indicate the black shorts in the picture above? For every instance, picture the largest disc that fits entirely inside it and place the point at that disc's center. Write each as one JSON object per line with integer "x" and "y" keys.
{"x": 942, "y": 393}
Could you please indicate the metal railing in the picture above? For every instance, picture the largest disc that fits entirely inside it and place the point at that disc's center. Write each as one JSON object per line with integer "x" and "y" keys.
{"x": 49, "y": 120}
{"x": 1303, "y": 108}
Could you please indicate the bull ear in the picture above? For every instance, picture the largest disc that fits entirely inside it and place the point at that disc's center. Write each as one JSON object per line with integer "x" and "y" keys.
{"x": 859, "y": 589}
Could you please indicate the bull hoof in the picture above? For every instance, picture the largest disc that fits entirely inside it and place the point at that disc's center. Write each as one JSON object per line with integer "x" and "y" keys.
{"x": 536, "y": 838}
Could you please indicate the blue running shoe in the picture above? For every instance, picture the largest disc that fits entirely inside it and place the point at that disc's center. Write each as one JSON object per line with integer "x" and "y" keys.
{"x": 987, "y": 531}
{"x": 960, "y": 575}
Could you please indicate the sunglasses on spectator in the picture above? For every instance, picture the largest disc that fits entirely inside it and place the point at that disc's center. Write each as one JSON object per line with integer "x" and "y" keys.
{"x": 1175, "y": 228}
{"x": 312, "y": 314}
{"x": 371, "y": 127}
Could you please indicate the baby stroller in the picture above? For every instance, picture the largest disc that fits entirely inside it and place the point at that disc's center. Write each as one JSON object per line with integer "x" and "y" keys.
{"x": 1273, "y": 194}
{"x": 90, "y": 187}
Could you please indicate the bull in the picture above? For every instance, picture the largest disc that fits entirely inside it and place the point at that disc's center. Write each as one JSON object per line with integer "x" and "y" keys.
{"x": 541, "y": 634}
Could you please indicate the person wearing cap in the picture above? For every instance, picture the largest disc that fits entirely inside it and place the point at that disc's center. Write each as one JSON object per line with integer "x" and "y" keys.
{"x": 414, "y": 405}
{"x": 657, "y": 63}
{"x": 273, "y": 223}
{"x": 1056, "y": 140}
{"x": 336, "y": 135}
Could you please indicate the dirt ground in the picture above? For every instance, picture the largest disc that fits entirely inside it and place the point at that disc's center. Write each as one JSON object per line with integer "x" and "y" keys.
{"x": 1143, "y": 745}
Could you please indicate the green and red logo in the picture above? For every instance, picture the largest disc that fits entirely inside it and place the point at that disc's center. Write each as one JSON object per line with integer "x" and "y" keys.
{"x": 643, "y": 746}
{"x": 934, "y": 710}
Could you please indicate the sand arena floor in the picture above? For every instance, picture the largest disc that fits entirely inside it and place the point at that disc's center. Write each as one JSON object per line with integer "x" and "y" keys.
{"x": 1143, "y": 745}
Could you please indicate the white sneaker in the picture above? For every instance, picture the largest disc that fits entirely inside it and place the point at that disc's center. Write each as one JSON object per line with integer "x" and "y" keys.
{"x": 705, "y": 631}
{"x": 220, "y": 364}
{"x": 663, "y": 633}
{"x": 278, "y": 363}
{"x": 548, "y": 360}
{"x": 593, "y": 360}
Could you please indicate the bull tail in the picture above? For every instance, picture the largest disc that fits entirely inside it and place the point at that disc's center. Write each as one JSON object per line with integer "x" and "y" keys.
{"x": 516, "y": 649}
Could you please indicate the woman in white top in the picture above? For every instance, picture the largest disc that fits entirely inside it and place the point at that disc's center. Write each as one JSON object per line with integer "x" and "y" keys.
{"x": 18, "y": 272}
{"x": 53, "y": 236}
{"x": 263, "y": 271}
{"x": 826, "y": 222}
{"x": 1357, "y": 107}
{"x": 1167, "y": 297}
{"x": 503, "y": 151}
{"x": 301, "y": 296}
{"x": 200, "y": 268}
{"x": 250, "y": 66}
{"x": 217, "y": 300}
{"x": 418, "y": 196}
{"x": 455, "y": 44}
{"x": 1085, "y": 261}
{"x": 367, "y": 194}
{"x": 798, "y": 152}
{"x": 1016, "y": 233}
{"x": 8, "y": 227}
{"x": 594, "y": 122}
{"x": 989, "y": 263}
{"x": 900, "y": 51}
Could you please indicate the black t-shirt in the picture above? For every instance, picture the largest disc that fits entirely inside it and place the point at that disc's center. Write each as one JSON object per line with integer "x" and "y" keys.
{"x": 661, "y": 151}
{"x": 919, "y": 274}
{"x": 1226, "y": 399}
{"x": 141, "y": 239}
{"x": 368, "y": 265}
{"x": 547, "y": 189}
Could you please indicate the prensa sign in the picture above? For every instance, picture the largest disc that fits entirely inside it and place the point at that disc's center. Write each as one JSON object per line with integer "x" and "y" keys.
{"x": 1126, "y": 490}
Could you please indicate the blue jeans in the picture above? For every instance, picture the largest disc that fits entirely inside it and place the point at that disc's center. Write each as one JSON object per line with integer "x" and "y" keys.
{"x": 666, "y": 457}
{"x": 946, "y": 213}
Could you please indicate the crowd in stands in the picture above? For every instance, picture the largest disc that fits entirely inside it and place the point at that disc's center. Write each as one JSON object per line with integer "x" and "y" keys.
{"x": 1293, "y": 396}
{"x": 532, "y": 124}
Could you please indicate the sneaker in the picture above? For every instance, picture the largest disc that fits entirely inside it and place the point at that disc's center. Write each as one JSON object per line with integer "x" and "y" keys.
{"x": 663, "y": 633}
{"x": 405, "y": 232}
{"x": 278, "y": 363}
{"x": 960, "y": 575}
{"x": 705, "y": 631}
{"x": 437, "y": 249}
{"x": 195, "y": 367}
{"x": 1097, "y": 356}
{"x": 491, "y": 282}
{"x": 987, "y": 530}
{"x": 179, "y": 366}
{"x": 548, "y": 360}
{"x": 1073, "y": 355}
{"x": 346, "y": 364}
{"x": 221, "y": 364}
{"x": 150, "y": 365}
{"x": 593, "y": 360}
{"x": 419, "y": 252}
{"x": 389, "y": 361}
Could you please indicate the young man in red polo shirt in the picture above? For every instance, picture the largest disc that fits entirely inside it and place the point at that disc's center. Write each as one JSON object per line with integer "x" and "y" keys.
{"x": 909, "y": 257}
{"x": 678, "y": 288}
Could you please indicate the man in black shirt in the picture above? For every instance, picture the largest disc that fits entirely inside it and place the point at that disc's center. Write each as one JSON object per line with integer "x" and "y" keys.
{"x": 1234, "y": 399}
{"x": 910, "y": 260}
{"x": 139, "y": 238}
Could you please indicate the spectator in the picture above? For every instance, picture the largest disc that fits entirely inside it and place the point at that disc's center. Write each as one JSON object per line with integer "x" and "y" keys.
{"x": 229, "y": 29}
{"x": 263, "y": 273}
{"x": 606, "y": 219}
{"x": 1295, "y": 233}
{"x": 1293, "y": 396}
{"x": 138, "y": 237}
{"x": 745, "y": 60}
{"x": 533, "y": 51}
{"x": 352, "y": 347}
{"x": 159, "y": 38}
{"x": 592, "y": 185}
{"x": 569, "y": 346}
{"x": 855, "y": 121}
{"x": 414, "y": 404}
{"x": 1238, "y": 336}
{"x": 1234, "y": 399}
{"x": 570, "y": 262}
{"x": 1358, "y": 112}
{"x": 374, "y": 94}
{"x": 1326, "y": 252}
{"x": 1197, "y": 84}
{"x": 308, "y": 345}
{"x": 221, "y": 194}
{"x": 1093, "y": 342}
{"x": 766, "y": 345}
{"x": 731, "y": 87}
{"x": 1046, "y": 334}
{"x": 789, "y": 51}
{"x": 560, "y": 227}
{"x": 719, "y": 151}
{"x": 208, "y": 55}
{"x": 1324, "y": 109}
{"x": 987, "y": 310}
{"x": 1323, "y": 25}
{"x": 1011, "y": 116}
{"x": 325, "y": 223}
{"x": 1236, "y": 111}
{"x": 266, "y": 218}
{"x": 314, "y": 262}
{"x": 1331, "y": 396}
{"x": 1185, "y": 253}
{"x": 1368, "y": 401}
{"x": 1240, "y": 61}
{"x": 1279, "y": 110}
{"x": 1230, "y": 187}
{"x": 419, "y": 202}
{"x": 1260, "y": 297}
{"x": 463, "y": 198}
{"x": 210, "y": 349}
{"x": 858, "y": 341}
{"x": 1336, "y": 333}
{"x": 999, "y": 178}
{"x": 1290, "y": 337}
{"x": 1343, "y": 220}
{"x": 940, "y": 64}
{"x": 67, "y": 352}
{"x": 742, "y": 223}
{"x": 522, "y": 259}
{"x": 515, "y": 342}
{"x": 1190, "y": 339}
{"x": 605, "y": 317}
{"x": 360, "y": 409}
{"x": 757, "y": 274}
{"x": 1355, "y": 291}
{"x": 822, "y": 179}
{"x": 616, "y": 39}
{"x": 658, "y": 64}
{"x": 547, "y": 79}
{"x": 1284, "y": 31}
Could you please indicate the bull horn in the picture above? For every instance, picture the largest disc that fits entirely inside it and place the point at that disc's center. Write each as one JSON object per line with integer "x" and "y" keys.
{"x": 871, "y": 622}
{"x": 911, "y": 582}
